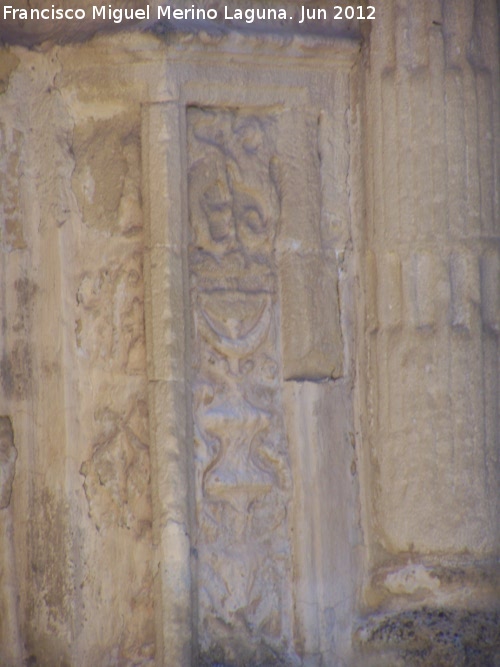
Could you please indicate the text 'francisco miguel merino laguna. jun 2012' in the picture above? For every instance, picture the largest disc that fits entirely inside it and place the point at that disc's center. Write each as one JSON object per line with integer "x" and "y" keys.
{"x": 191, "y": 13}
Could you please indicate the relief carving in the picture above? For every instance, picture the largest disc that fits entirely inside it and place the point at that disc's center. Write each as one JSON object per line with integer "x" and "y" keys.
{"x": 241, "y": 461}
{"x": 11, "y": 218}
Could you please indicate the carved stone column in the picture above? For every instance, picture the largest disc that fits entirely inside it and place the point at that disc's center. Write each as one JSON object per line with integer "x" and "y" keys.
{"x": 432, "y": 287}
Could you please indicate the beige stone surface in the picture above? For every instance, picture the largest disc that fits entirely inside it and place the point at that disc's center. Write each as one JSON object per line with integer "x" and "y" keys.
{"x": 249, "y": 365}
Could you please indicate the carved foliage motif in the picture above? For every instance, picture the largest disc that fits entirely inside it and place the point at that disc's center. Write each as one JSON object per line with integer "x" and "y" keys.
{"x": 241, "y": 462}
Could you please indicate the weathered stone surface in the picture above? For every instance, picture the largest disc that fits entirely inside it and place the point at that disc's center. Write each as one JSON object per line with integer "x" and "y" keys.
{"x": 431, "y": 348}
{"x": 8, "y": 63}
{"x": 13, "y": 29}
{"x": 11, "y": 209}
{"x": 433, "y": 274}
{"x": 78, "y": 582}
{"x": 216, "y": 299}
{"x": 312, "y": 337}
{"x": 109, "y": 331}
{"x": 432, "y": 637}
{"x": 8, "y": 456}
{"x": 117, "y": 477}
{"x": 106, "y": 180}
{"x": 242, "y": 469}
{"x": 249, "y": 302}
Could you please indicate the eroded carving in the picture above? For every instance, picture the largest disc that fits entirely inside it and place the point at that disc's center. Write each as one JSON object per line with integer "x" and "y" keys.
{"x": 11, "y": 218}
{"x": 242, "y": 469}
{"x": 110, "y": 329}
{"x": 118, "y": 473}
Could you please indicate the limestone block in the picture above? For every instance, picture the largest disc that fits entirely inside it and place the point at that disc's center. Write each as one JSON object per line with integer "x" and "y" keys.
{"x": 235, "y": 261}
{"x": 9, "y": 623}
{"x": 8, "y": 63}
{"x": 311, "y": 331}
{"x": 166, "y": 315}
{"x": 425, "y": 289}
{"x": 335, "y": 162}
{"x": 371, "y": 291}
{"x": 162, "y": 175}
{"x": 16, "y": 28}
{"x": 171, "y": 487}
{"x": 16, "y": 364}
{"x": 10, "y": 636}
{"x": 297, "y": 171}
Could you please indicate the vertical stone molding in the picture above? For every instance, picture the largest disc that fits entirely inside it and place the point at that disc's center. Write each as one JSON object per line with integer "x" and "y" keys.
{"x": 249, "y": 330}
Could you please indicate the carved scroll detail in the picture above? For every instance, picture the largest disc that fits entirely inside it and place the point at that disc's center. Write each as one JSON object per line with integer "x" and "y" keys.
{"x": 241, "y": 462}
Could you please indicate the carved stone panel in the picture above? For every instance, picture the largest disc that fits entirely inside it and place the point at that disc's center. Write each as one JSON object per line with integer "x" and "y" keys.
{"x": 242, "y": 469}
{"x": 248, "y": 248}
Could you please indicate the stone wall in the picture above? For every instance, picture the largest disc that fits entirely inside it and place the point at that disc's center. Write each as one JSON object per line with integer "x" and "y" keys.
{"x": 249, "y": 364}
{"x": 73, "y": 371}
